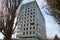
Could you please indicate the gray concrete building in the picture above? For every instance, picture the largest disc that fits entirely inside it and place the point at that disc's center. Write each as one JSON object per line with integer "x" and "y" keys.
{"x": 31, "y": 23}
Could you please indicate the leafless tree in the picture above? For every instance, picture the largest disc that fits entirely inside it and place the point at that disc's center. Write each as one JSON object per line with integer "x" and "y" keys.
{"x": 6, "y": 24}
{"x": 56, "y": 37}
{"x": 54, "y": 8}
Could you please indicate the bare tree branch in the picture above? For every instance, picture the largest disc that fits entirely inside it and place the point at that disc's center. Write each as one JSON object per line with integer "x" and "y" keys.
{"x": 54, "y": 5}
{"x": 11, "y": 7}
{"x": 15, "y": 26}
{"x": 2, "y": 32}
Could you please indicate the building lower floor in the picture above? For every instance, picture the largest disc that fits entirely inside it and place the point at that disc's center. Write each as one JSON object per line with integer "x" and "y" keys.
{"x": 31, "y": 38}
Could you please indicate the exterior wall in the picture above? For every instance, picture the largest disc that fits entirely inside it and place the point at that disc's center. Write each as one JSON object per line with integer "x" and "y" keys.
{"x": 41, "y": 28}
{"x": 27, "y": 38}
{"x": 31, "y": 23}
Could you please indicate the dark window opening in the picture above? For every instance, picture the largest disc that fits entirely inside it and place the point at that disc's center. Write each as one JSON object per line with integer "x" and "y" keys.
{"x": 32, "y": 23}
{"x": 33, "y": 15}
{"x": 33, "y": 9}
{"x": 1, "y": 13}
{"x": 25, "y": 14}
{"x": 25, "y": 17}
{"x": 37, "y": 23}
{"x": 33, "y": 19}
{"x": 23, "y": 32}
{"x": 30, "y": 19}
{"x": 27, "y": 24}
{"x": 26, "y": 28}
{"x": 30, "y": 16}
{"x": 33, "y": 32}
{"x": 34, "y": 12}
{"x": 24, "y": 24}
{"x": 26, "y": 32}
{"x": 27, "y": 20}
{"x": 33, "y": 27}
{"x": 30, "y": 28}
{"x": 30, "y": 32}
{"x": 25, "y": 11}
{"x": 28, "y": 8}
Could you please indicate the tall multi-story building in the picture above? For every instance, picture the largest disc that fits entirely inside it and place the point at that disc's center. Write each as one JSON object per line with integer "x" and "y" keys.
{"x": 31, "y": 23}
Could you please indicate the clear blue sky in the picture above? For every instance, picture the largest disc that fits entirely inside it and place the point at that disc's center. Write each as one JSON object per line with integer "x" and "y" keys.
{"x": 51, "y": 26}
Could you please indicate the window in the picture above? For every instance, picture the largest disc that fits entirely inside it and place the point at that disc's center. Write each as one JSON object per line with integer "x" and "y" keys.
{"x": 30, "y": 32}
{"x": 28, "y": 8}
{"x": 33, "y": 15}
{"x": 24, "y": 21}
{"x": 21, "y": 21}
{"x": 30, "y": 19}
{"x": 32, "y": 23}
{"x": 26, "y": 28}
{"x": 27, "y": 24}
{"x": 27, "y": 20}
{"x": 18, "y": 28}
{"x": 23, "y": 33}
{"x": 33, "y": 9}
{"x": 21, "y": 25}
{"x": 33, "y": 12}
{"x": 24, "y": 24}
{"x": 33, "y": 3}
{"x": 1, "y": 13}
{"x": 33, "y": 19}
{"x": 26, "y": 32}
{"x": 25, "y": 11}
{"x": 33, "y": 27}
{"x": 37, "y": 23}
{"x": 25, "y": 17}
{"x": 33, "y": 32}
{"x": 30, "y": 16}
{"x": 22, "y": 18}
{"x": 30, "y": 28}
{"x": 25, "y": 14}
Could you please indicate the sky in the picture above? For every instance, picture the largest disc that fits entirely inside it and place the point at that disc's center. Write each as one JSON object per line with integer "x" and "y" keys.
{"x": 51, "y": 26}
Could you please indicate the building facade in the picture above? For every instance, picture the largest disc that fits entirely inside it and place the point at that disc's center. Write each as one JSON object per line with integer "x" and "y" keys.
{"x": 31, "y": 23}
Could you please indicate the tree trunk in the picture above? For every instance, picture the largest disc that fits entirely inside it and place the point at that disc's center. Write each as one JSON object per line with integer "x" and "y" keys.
{"x": 8, "y": 37}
